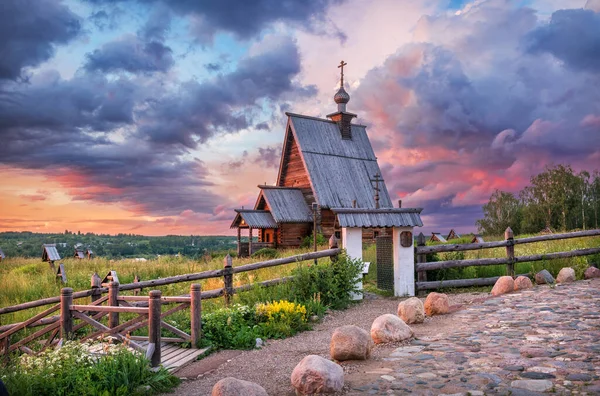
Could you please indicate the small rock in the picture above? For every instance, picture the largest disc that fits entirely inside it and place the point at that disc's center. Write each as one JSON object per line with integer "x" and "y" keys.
{"x": 544, "y": 277}
{"x": 532, "y": 385}
{"x": 504, "y": 284}
{"x": 314, "y": 318}
{"x": 234, "y": 387}
{"x": 388, "y": 377}
{"x": 522, "y": 283}
{"x": 412, "y": 310}
{"x": 350, "y": 343}
{"x": 566, "y": 275}
{"x": 514, "y": 368}
{"x": 579, "y": 377}
{"x": 436, "y": 304}
{"x": 315, "y": 374}
{"x": 591, "y": 272}
{"x": 536, "y": 375}
{"x": 390, "y": 328}
{"x": 258, "y": 343}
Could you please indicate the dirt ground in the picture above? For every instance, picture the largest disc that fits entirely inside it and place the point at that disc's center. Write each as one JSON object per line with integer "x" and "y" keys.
{"x": 271, "y": 366}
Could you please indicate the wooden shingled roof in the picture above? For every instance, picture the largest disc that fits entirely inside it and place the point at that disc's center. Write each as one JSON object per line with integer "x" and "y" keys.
{"x": 253, "y": 218}
{"x": 50, "y": 253}
{"x": 340, "y": 170}
{"x": 286, "y": 204}
{"x": 386, "y": 217}
{"x": 437, "y": 237}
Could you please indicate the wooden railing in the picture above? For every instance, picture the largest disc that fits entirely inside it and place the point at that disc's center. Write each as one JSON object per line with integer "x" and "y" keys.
{"x": 148, "y": 309}
{"x": 510, "y": 260}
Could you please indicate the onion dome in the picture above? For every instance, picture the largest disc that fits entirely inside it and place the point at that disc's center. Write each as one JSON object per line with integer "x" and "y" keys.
{"x": 341, "y": 96}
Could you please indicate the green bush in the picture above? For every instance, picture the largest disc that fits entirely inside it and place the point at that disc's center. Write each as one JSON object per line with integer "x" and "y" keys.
{"x": 266, "y": 253}
{"x": 308, "y": 241}
{"x": 333, "y": 282}
{"x": 233, "y": 327}
{"x": 72, "y": 370}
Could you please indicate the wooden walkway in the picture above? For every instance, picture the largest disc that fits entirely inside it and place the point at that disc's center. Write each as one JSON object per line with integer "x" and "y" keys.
{"x": 173, "y": 357}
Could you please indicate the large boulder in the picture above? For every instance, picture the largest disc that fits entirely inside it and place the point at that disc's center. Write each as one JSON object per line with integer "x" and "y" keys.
{"x": 522, "y": 283}
{"x": 591, "y": 273}
{"x": 504, "y": 284}
{"x": 412, "y": 310}
{"x": 436, "y": 304}
{"x": 566, "y": 275}
{"x": 234, "y": 387}
{"x": 390, "y": 328}
{"x": 315, "y": 374}
{"x": 544, "y": 277}
{"x": 350, "y": 343}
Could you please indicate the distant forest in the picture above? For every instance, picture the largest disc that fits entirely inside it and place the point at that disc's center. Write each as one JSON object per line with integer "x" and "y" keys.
{"x": 557, "y": 198}
{"x": 29, "y": 244}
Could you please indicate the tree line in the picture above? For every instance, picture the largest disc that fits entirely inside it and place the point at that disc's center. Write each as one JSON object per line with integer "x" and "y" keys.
{"x": 29, "y": 244}
{"x": 557, "y": 198}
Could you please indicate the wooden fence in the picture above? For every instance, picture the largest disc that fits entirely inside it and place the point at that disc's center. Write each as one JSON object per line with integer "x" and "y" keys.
{"x": 147, "y": 308}
{"x": 510, "y": 260}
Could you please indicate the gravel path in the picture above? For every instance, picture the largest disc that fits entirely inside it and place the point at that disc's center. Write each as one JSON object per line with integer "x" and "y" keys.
{"x": 272, "y": 365}
{"x": 524, "y": 343}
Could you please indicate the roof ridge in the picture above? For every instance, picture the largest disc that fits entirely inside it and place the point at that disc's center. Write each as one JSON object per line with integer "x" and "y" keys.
{"x": 290, "y": 114}
{"x": 267, "y": 187}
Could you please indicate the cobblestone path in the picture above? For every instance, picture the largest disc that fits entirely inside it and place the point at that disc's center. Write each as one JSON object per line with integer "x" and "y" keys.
{"x": 544, "y": 340}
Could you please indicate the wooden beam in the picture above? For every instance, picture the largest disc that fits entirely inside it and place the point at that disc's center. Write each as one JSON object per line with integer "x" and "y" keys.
{"x": 287, "y": 260}
{"x": 454, "y": 247}
{"x": 83, "y": 308}
{"x": 456, "y": 283}
{"x": 29, "y": 321}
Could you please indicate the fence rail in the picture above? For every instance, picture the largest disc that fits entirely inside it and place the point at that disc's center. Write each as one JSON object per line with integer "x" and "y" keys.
{"x": 510, "y": 260}
{"x": 147, "y": 308}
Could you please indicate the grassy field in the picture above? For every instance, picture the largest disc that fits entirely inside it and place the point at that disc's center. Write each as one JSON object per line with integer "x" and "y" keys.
{"x": 27, "y": 279}
{"x": 579, "y": 264}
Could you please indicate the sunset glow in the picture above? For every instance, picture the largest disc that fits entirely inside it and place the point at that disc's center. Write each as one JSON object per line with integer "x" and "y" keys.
{"x": 159, "y": 118}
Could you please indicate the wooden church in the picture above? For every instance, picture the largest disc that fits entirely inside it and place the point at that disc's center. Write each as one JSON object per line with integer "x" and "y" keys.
{"x": 326, "y": 165}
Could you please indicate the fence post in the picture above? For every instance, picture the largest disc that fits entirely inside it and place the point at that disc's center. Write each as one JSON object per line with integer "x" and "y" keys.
{"x": 249, "y": 241}
{"x": 196, "y": 313}
{"x": 113, "y": 301}
{"x": 136, "y": 279}
{"x": 421, "y": 259}
{"x": 510, "y": 251}
{"x": 66, "y": 319}
{"x": 333, "y": 244}
{"x": 154, "y": 306}
{"x": 228, "y": 278}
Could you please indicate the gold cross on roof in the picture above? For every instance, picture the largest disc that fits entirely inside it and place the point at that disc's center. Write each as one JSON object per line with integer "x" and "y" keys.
{"x": 341, "y": 66}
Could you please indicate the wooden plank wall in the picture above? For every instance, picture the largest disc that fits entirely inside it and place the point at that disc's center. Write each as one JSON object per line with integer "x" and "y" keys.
{"x": 292, "y": 234}
{"x": 293, "y": 172}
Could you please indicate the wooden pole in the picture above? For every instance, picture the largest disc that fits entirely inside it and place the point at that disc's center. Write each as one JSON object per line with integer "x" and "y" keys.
{"x": 228, "y": 277}
{"x": 136, "y": 279}
{"x": 96, "y": 283}
{"x": 154, "y": 327}
{"x": 314, "y": 209}
{"x": 196, "y": 314}
{"x": 510, "y": 251}
{"x": 249, "y": 241}
{"x": 66, "y": 319}
{"x": 239, "y": 241}
{"x": 113, "y": 301}
{"x": 421, "y": 258}
{"x": 333, "y": 244}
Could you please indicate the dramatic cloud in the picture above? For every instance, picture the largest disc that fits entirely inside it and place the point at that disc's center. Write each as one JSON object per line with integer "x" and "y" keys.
{"x": 144, "y": 52}
{"x": 572, "y": 36}
{"x": 466, "y": 110}
{"x": 225, "y": 102}
{"x": 243, "y": 18}
{"x": 30, "y": 30}
{"x": 125, "y": 140}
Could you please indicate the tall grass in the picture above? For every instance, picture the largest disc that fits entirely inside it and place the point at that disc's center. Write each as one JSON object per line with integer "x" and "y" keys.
{"x": 27, "y": 279}
{"x": 579, "y": 264}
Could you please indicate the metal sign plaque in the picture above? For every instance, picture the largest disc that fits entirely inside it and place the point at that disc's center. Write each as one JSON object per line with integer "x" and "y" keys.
{"x": 406, "y": 239}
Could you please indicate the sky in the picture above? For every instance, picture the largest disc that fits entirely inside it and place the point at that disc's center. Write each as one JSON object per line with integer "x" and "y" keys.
{"x": 159, "y": 117}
